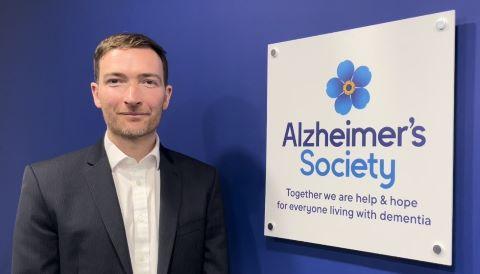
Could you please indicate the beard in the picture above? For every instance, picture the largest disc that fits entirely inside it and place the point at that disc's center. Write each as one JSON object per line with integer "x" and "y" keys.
{"x": 118, "y": 126}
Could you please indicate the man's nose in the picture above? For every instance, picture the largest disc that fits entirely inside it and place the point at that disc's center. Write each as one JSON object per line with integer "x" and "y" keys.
{"x": 133, "y": 97}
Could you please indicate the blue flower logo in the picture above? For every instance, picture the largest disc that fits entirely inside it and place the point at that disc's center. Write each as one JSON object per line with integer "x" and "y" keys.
{"x": 349, "y": 88}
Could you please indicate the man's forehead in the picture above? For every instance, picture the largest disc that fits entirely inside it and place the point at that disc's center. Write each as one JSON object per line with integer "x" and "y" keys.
{"x": 131, "y": 58}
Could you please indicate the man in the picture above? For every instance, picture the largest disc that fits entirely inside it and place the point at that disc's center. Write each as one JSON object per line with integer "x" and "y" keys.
{"x": 126, "y": 204}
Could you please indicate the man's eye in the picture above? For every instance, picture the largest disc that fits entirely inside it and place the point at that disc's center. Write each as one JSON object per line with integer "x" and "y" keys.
{"x": 150, "y": 83}
{"x": 113, "y": 81}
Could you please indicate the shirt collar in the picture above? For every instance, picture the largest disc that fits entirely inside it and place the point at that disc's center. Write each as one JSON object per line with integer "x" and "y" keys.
{"x": 115, "y": 155}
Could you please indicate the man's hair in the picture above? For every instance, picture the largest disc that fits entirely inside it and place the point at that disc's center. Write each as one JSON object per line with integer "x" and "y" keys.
{"x": 128, "y": 41}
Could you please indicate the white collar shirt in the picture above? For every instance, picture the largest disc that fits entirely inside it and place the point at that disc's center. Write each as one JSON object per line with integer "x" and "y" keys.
{"x": 138, "y": 190}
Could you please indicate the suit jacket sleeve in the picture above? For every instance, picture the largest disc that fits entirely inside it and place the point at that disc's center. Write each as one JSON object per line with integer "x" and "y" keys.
{"x": 35, "y": 240}
{"x": 216, "y": 259}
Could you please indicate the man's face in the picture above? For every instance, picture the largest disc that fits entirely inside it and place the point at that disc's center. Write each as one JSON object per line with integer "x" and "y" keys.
{"x": 131, "y": 91}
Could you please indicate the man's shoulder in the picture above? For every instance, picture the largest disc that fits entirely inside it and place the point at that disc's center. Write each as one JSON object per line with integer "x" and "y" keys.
{"x": 185, "y": 162}
{"x": 73, "y": 159}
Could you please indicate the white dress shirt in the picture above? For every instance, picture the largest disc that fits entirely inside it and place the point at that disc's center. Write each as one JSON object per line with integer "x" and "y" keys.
{"x": 138, "y": 191}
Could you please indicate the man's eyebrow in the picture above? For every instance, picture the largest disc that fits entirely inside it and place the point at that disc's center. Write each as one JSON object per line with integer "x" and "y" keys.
{"x": 117, "y": 74}
{"x": 146, "y": 75}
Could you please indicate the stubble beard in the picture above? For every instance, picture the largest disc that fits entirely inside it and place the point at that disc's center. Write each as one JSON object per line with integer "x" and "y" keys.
{"x": 123, "y": 131}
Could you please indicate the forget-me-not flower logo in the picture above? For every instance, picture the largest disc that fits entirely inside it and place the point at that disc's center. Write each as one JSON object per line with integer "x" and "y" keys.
{"x": 349, "y": 88}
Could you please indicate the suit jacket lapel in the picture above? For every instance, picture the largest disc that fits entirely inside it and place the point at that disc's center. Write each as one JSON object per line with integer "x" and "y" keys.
{"x": 170, "y": 199}
{"x": 100, "y": 181}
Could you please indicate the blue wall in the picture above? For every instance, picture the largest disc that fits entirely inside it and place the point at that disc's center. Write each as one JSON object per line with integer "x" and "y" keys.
{"x": 218, "y": 55}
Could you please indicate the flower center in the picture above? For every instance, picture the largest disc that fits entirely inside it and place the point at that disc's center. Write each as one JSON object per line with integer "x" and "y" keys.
{"x": 349, "y": 87}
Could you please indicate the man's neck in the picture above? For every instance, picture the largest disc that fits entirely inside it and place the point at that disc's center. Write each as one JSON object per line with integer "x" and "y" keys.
{"x": 136, "y": 148}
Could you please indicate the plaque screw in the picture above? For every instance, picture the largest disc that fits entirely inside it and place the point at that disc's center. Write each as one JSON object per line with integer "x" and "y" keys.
{"x": 270, "y": 226}
{"x": 437, "y": 249}
{"x": 274, "y": 52}
{"x": 441, "y": 24}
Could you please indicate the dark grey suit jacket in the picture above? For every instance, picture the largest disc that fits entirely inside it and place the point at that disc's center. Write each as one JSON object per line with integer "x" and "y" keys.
{"x": 69, "y": 218}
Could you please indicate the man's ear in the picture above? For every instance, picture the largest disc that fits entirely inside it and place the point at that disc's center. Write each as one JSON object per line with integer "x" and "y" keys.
{"x": 168, "y": 96}
{"x": 94, "y": 87}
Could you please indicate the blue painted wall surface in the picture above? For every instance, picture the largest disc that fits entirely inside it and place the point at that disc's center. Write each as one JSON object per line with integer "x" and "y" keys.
{"x": 218, "y": 55}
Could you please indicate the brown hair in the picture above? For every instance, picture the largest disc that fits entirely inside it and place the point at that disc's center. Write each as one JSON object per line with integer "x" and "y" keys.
{"x": 128, "y": 41}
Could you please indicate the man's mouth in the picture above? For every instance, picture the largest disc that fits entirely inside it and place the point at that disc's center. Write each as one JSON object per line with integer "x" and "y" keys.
{"x": 134, "y": 113}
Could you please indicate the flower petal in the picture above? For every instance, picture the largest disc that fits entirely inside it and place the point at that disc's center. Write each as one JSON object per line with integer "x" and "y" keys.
{"x": 345, "y": 70}
{"x": 343, "y": 104}
{"x": 360, "y": 98}
{"x": 362, "y": 76}
{"x": 334, "y": 87}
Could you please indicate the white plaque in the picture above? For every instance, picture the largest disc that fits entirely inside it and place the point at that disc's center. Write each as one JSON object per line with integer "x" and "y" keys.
{"x": 360, "y": 139}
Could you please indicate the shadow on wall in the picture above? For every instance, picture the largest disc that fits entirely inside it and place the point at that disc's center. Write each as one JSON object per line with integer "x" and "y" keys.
{"x": 464, "y": 195}
{"x": 232, "y": 132}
